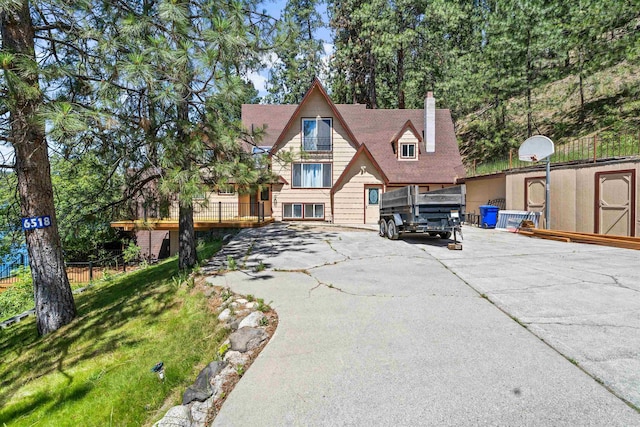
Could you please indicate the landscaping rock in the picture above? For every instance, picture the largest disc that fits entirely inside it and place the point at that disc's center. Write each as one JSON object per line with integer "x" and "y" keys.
{"x": 235, "y": 358}
{"x": 253, "y": 320}
{"x": 251, "y": 305}
{"x": 221, "y": 379}
{"x": 235, "y": 324}
{"x": 242, "y": 301}
{"x": 200, "y": 411}
{"x": 178, "y": 416}
{"x": 201, "y": 390}
{"x": 245, "y": 339}
{"x": 224, "y": 315}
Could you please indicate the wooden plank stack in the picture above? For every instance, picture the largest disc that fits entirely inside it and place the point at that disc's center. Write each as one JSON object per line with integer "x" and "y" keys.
{"x": 591, "y": 238}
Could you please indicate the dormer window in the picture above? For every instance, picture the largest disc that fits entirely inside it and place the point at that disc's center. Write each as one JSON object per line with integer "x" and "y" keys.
{"x": 407, "y": 151}
{"x": 316, "y": 134}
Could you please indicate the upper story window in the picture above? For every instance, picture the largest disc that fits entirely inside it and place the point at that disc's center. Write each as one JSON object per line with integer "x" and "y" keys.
{"x": 316, "y": 134}
{"x": 407, "y": 151}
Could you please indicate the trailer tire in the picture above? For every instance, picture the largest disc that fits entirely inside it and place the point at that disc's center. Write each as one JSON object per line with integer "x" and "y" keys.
{"x": 392, "y": 230}
{"x": 382, "y": 230}
{"x": 445, "y": 235}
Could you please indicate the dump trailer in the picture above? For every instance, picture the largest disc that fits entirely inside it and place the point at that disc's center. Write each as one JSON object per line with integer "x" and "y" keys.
{"x": 437, "y": 212}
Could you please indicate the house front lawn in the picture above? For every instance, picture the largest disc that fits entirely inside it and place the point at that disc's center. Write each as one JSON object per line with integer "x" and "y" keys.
{"x": 96, "y": 371}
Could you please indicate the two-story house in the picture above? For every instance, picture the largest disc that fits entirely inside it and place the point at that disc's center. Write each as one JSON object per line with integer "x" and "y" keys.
{"x": 340, "y": 157}
{"x": 332, "y": 162}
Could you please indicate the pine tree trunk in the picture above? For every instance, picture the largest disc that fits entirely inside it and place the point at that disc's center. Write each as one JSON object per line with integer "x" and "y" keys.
{"x": 400, "y": 78}
{"x": 529, "y": 84}
{"x": 53, "y": 298}
{"x": 373, "y": 101}
{"x": 187, "y": 257}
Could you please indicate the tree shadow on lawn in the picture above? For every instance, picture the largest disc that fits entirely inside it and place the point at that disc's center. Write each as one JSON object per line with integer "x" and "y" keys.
{"x": 101, "y": 313}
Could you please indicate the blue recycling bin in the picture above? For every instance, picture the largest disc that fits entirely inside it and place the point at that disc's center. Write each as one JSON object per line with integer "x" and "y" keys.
{"x": 488, "y": 216}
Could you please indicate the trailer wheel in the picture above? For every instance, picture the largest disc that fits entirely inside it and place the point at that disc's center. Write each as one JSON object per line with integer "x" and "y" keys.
{"x": 383, "y": 228}
{"x": 392, "y": 230}
{"x": 445, "y": 235}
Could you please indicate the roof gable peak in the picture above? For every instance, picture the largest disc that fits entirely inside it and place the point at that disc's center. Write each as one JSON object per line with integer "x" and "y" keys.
{"x": 316, "y": 85}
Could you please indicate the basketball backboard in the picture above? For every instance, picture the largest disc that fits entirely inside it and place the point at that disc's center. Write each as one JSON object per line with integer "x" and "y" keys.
{"x": 536, "y": 148}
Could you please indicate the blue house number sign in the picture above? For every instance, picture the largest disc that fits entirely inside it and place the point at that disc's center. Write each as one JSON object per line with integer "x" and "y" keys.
{"x": 36, "y": 222}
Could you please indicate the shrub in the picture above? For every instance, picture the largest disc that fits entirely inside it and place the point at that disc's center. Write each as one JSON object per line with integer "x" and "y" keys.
{"x": 19, "y": 296}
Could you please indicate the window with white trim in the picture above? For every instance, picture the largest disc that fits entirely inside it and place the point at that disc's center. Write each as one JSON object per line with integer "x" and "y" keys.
{"x": 303, "y": 211}
{"x": 226, "y": 189}
{"x": 311, "y": 175}
{"x": 316, "y": 134}
{"x": 292, "y": 210}
{"x": 407, "y": 151}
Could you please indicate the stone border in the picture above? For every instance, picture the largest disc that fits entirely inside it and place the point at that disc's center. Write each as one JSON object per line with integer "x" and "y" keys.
{"x": 253, "y": 324}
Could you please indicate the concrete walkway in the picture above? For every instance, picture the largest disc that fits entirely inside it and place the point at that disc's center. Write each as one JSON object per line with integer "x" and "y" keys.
{"x": 379, "y": 332}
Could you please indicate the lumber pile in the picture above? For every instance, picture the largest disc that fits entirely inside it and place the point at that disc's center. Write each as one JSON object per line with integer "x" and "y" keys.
{"x": 594, "y": 239}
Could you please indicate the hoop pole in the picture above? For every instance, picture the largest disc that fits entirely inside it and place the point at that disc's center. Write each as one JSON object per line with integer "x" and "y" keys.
{"x": 547, "y": 210}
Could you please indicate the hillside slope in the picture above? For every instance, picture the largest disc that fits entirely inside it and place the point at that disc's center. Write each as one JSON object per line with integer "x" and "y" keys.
{"x": 612, "y": 105}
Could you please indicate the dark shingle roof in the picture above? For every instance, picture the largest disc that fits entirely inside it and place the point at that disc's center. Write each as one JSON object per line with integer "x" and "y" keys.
{"x": 376, "y": 129}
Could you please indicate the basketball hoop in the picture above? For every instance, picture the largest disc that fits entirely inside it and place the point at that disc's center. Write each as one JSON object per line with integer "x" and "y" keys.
{"x": 534, "y": 149}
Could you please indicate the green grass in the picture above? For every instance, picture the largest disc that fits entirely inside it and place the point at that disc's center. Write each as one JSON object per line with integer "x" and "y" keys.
{"x": 96, "y": 370}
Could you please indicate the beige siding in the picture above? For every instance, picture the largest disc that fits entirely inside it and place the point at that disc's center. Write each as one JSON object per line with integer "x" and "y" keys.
{"x": 482, "y": 189}
{"x": 350, "y": 198}
{"x": 341, "y": 155}
{"x": 572, "y": 193}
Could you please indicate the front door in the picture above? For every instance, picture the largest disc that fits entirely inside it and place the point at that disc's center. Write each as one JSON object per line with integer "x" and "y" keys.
{"x": 534, "y": 193}
{"x": 372, "y": 203}
{"x": 615, "y": 202}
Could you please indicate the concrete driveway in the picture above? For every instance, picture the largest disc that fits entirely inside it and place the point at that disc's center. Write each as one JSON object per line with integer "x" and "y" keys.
{"x": 508, "y": 331}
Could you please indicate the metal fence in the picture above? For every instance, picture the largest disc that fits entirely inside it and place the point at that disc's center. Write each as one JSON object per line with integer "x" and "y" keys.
{"x": 223, "y": 211}
{"x": 599, "y": 147}
{"x": 77, "y": 272}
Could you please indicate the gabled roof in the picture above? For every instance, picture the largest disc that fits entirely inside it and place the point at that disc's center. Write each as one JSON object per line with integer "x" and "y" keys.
{"x": 407, "y": 126}
{"x": 362, "y": 151}
{"x": 374, "y": 129}
{"x": 315, "y": 85}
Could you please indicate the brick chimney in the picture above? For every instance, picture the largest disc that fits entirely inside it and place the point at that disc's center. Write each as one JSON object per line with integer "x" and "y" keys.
{"x": 430, "y": 123}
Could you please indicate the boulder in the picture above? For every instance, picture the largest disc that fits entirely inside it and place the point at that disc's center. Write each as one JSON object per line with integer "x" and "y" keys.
{"x": 235, "y": 358}
{"x": 178, "y": 416}
{"x": 224, "y": 315}
{"x": 201, "y": 390}
{"x": 245, "y": 339}
{"x": 253, "y": 320}
{"x": 200, "y": 412}
{"x": 221, "y": 379}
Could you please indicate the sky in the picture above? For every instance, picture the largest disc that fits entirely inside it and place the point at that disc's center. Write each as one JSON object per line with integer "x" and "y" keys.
{"x": 275, "y": 8}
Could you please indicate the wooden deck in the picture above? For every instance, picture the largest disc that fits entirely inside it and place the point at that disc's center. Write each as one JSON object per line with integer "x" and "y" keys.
{"x": 199, "y": 224}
